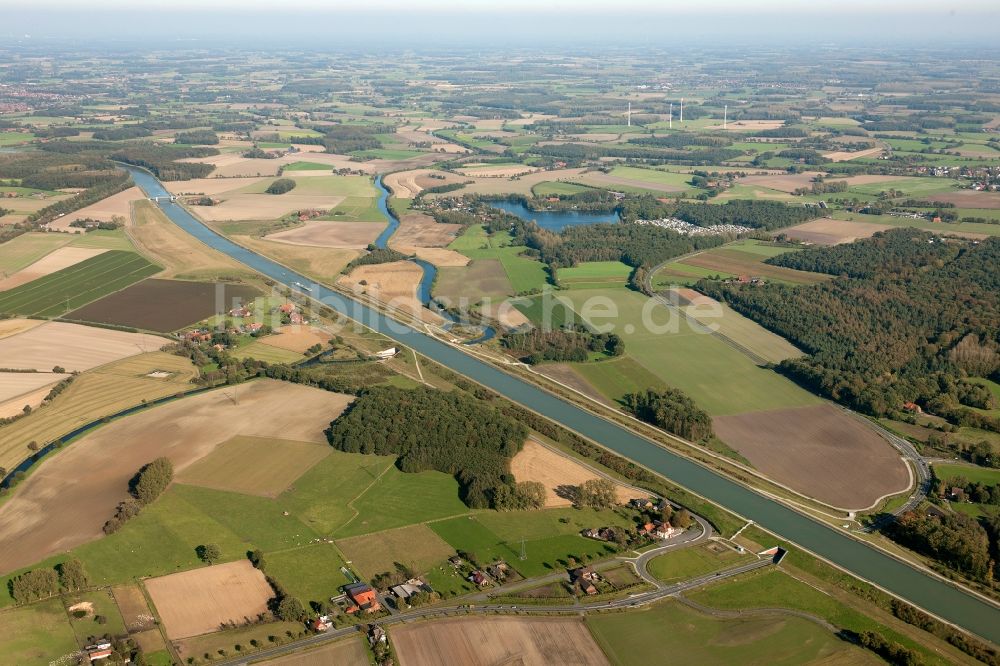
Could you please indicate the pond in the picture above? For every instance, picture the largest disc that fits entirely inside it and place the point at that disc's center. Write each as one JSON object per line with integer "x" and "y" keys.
{"x": 555, "y": 220}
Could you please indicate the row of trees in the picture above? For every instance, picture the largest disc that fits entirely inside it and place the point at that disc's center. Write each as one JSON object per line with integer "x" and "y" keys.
{"x": 151, "y": 480}
{"x": 430, "y": 429}
{"x": 36, "y": 584}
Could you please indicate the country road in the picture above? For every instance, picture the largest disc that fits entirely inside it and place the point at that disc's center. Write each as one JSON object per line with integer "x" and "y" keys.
{"x": 634, "y": 601}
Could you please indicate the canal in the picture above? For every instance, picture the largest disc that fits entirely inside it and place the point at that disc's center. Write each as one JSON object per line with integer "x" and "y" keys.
{"x": 920, "y": 588}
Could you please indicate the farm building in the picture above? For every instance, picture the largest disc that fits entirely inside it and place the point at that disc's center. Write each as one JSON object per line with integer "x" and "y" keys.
{"x": 409, "y": 588}
{"x": 363, "y": 598}
{"x": 480, "y": 579}
{"x": 386, "y": 353}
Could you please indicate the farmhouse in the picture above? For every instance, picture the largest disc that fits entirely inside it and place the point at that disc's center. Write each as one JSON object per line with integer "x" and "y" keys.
{"x": 286, "y": 308}
{"x": 584, "y": 578}
{"x": 480, "y": 579}
{"x": 642, "y": 503}
{"x": 322, "y": 623}
{"x": 409, "y": 588}
{"x": 363, "y": 598}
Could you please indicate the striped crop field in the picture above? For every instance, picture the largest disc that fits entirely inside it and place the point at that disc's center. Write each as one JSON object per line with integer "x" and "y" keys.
{"x": 72, "y": 287}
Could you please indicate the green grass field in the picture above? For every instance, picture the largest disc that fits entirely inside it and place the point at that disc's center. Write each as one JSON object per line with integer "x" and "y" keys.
{"x": 101, "y": 604}
{"x": 356, "y": 209}
{"x": 655, "y": 176}
{"x": 973, "y": 473}
{"x": 387, "y": 154}
{"x": 36, "y": 634}
{"x": 74, "y": 287}
{"x": 551, "y": 188}
{"x": 308, "y": 166}
{"x": 269, "y": 353}
{"x": 28, "y": 248}
{"x": 771, "y": 588}
{"x": 614, "y": 378}
{"x": 719, "y": 378}
{"x": 15, "y": 138}
{"x": 416, "y": 546}
{"x": 926, "y": 225}
{"x": 595, "y": 275}
{"x": 546, "y": 311}
{"x": 691, "y": 562}
{"x": 637, "y": 638}
{"x": 310, "y": 573}
{"x": 524, "y": 274}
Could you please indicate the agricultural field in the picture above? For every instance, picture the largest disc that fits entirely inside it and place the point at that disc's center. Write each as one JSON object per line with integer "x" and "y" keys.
{"x": 497, "y": 640}
{"x": 347, "y": 652}
{"x": 72, "y": 346}
{"x": 41, "y": 523}
{"x": 558, "y": 473}
{"x": 719, "y": 378}
{"x": 819, "y": 447}
{"x": 254, "y": 465}
{"x": 38, "y": 634}
{"x": 730, "y": 261}
{"x": 973, "y": 473}
{"x": 96, "y": 394}
{"x": 524, "y": 274}
{"x": 26, "y": 249}
{"x": 58, "y": 259}
{"x": 481, "y": 279}
{"x": 69, "y": 288}
{"x": 595, "y": 275}
{"x": 322, "y": 264}
{"x": 415, "y": 546}
{"x": 20, "y": 389}
{"x": 250, "y": 202}
{"x": 395, "y": 283}
{"x": 639, "y": 180}
{"x": 202, "y": 600}
{"x": 635, "y": 638}
{"x": 165, "y": 305}
{"x": 325, "y": 234}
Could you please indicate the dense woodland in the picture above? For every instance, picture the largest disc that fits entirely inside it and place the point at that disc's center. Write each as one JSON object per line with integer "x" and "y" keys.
{"x": 430, "y": 429}
{"x": 672, "y": 410}
{"x": 920, "y": 317}
{"x": 536, "y": 346}
{"x": 960, "y": 542}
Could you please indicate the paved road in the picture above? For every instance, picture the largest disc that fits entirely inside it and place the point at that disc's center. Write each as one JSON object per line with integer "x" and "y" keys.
{"x": 633, "y": 601}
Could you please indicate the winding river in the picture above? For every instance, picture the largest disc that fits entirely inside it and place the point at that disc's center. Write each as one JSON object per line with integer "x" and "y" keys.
{"x": 922, "y": 589}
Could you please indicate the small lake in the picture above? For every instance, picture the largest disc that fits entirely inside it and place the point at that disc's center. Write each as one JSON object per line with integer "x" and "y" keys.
{"x": 555, "y": 220}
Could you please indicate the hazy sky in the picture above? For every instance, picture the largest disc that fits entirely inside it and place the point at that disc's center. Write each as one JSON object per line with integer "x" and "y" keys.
{"x": 443, "y": 22}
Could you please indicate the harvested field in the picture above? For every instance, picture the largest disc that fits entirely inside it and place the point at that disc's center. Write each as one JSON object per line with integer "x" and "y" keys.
{"x": 150, "y": 640}
{"x": 408, "y": 184}
{"x": 749, "y": 125}
{"x": 347, "y": 652}
{"x": 786, "y": 182}
{"x": 559, "y": 473}
{"x": 320, "y": 263}
{"x": 507, "y": 314}
{"x": 867, "y": 179}
{"x": 416, "y": 546}
{"x": 165, "y": 305}
{"x": 14, "y": 326}
{"x": 210, "y": 186}
{"x": 177, "y": 251}
{"x": 499, "y": 171}
{"x": 134, "y": 609}
{"x": 72, "y": 346}
{"x": 607, "y": 180}
{"x": 482, "y": 278}
{"x": 497, "y": 640}
{"x": 819, "y": 451}
{"x": 197, "y": 602}
{"x": 349, "y": 235}
{"x": 736, "y": 262}
{"x": 252, "y": 206}
{"x": 26, "y": 249}
{"x": 66, "y": 501}
{"x": 97, "y": 393}
{"x": 18, "y": 389}
{"x": 845, "y": 155}
{"x": 296, "y": 338}
{"x": 254, "y": 465}
{"x": 439, "y": 256}
{"x": 970, "y": 199}
{"x": 833, "y": 232}
{"x": 61, "y": 258}
{"x": 394, "y": 283}
{"x": 424, "y": 234}
{"x": 117, "y": 205}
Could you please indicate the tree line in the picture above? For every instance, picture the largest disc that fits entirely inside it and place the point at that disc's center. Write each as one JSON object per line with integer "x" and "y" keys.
{"x": 672, "y": 410}
{"x": 148, "y": 484}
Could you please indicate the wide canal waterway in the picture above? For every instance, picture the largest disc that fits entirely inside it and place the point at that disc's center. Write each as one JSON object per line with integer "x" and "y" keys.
{"x": 922, "y": 589}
